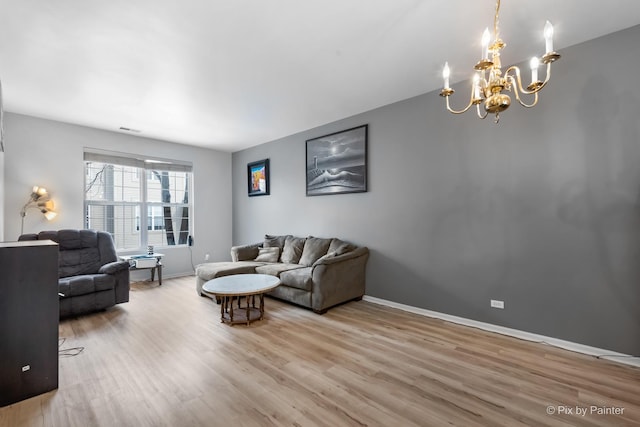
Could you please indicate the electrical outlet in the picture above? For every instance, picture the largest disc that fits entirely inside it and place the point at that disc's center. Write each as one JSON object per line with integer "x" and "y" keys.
{"x": 206, "y": 257}
{"x": 497, "y": 304}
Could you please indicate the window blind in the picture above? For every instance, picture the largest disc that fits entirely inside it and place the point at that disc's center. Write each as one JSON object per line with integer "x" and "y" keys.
{"x": 137, "y": 161}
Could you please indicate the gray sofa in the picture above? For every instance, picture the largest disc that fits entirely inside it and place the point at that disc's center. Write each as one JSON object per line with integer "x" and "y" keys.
{"x": 315, "y": 273}
{"x": 90, "y": 276}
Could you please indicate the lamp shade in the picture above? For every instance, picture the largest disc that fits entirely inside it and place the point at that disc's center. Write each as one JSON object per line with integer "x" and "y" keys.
{"x": 50, "y": 215}
{"x": 40, "y": 191}
{"x": 46, "y": 205}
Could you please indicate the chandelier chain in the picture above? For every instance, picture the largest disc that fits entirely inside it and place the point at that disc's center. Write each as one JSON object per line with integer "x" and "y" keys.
{"x": 496, "y": 19}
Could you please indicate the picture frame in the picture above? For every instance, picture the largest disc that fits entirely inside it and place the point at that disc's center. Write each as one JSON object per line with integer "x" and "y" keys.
{"x": 337, "y": 163}
{"x": 258, "y": 178}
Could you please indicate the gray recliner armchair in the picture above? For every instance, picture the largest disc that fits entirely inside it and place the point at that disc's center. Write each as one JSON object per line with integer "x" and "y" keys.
{"x": 90, "y": 276}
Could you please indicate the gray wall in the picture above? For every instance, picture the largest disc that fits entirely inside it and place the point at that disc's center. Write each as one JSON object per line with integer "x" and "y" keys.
{"x": 540, "y": 211}
{"x": 50, "y": 154}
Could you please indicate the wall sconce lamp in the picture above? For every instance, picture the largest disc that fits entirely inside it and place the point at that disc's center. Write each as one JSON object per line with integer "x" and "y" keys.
{"x": 39, "y": 199}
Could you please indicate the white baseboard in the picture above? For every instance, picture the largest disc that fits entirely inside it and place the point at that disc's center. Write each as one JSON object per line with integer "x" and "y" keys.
{"x": 176, "y": 275}
{"x": 141, "y": 276}
{"x": 567, "y": 345}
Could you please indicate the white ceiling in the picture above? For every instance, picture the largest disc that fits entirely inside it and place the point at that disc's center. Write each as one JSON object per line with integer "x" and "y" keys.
{"x": 230, "y": 74}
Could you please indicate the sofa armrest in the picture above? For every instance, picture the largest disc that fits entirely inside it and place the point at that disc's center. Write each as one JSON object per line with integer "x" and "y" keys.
{"x": 333, "y": 259}
{"x": 114, "y": 267}
{"x": 122, "y": 285}
{"x": 337, "y": 279}
{"x": 120, "y": 270}
{"x": 245, "y": 252}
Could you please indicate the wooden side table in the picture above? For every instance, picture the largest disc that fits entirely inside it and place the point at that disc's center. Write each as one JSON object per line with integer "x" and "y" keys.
{"x": 140, "y": 262}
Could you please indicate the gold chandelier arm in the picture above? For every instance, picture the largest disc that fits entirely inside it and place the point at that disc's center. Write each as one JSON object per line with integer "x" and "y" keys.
{"x": 546, "y": 77}
{"x": 534, "y": 87}
{"x": 472, "y": 100}
{"x": 516, "y": 85}
{"x": 480, "y": 115}
{"x": 451, "y": 110}
{"x": 515, "y": 79}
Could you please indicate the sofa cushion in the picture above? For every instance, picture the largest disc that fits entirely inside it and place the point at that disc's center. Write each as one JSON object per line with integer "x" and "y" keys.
{"x": 292, "y": 251}
{"x": 314, "y": 248}
{"x": 244, "y": 253}
{"x": 299, "y": 278}
{"x": 340, "y": 247}
{"x": 71, "y": 239}
{"x": 268, "y": 255}
{"x": 73, "y": 262}
{"x": 272, "y": 241}
{"x": 276, "y": 269}
{"x": 81, "y": 251}
{"x": 85, "y": 284}
{"x": 212, "y": 270}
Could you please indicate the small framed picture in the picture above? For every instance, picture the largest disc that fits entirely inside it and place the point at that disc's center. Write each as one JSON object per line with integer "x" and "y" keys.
{"x": 258, "y": 178}
{"x": 337, "y": 163}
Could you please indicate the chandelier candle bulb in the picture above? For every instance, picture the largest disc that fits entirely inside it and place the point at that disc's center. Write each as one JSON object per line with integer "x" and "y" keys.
{"x": 445, "y": 75}
{"x": 476, "y": 86}
{"x": 548, "y": 36}
{"x": 486, "y": 36}
{"x": 534, "y": 63}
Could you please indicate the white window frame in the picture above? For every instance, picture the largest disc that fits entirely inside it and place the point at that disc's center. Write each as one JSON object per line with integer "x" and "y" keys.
{"x": 144, "y": 165}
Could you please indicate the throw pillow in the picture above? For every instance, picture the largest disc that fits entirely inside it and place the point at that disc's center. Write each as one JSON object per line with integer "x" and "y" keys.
{"x": 344, "y": 248}
{"x": 268, "y": 254}
{"x": 340, "y": 247}
{"x": 271, "y": 241}
{"x": 314, "y": 248}
{"x": 329, "y": 255}
{"x": 292, "y": 249}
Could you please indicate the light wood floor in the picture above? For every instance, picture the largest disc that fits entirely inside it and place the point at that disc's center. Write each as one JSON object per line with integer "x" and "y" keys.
{"x": 164, "y": 359}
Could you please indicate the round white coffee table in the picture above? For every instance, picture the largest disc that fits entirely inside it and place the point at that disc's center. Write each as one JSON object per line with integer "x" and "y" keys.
{"x": 228, "y": 288}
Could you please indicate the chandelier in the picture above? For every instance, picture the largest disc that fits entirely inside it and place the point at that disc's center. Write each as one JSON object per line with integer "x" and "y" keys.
{"x": 489, "y": 81}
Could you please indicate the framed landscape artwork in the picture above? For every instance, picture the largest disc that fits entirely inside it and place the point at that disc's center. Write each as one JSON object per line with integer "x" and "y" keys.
{"x": 337, "y": 163}
{"x": 258, "y": 178}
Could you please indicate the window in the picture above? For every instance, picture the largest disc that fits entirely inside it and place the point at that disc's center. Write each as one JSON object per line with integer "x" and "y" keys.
{"x": 155, "y": 218}
{"x": 115, "y": 196}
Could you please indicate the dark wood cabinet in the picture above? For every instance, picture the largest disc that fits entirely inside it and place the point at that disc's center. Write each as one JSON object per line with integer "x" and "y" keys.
{"x": 29, "y": 316}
